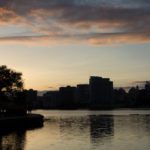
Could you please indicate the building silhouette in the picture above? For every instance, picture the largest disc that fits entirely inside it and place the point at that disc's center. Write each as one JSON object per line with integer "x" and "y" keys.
{"x": 82, "y": 95}
{"x": 101, "y": 93}
{"x": 67, "y": 97}
{"x": 98, "y": 94}
{"x": 51, "y": 100}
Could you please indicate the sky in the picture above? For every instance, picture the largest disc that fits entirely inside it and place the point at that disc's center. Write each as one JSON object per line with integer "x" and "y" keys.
{"x": 63, "y": 42}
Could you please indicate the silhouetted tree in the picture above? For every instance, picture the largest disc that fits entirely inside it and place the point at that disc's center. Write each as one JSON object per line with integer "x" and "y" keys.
{"x": 120, "y": 96}
{"x": 133, "y": 94}
{"x": 10, "y": 80}
{"x": 12, "y": 97}
{"x": 147, "y": 86}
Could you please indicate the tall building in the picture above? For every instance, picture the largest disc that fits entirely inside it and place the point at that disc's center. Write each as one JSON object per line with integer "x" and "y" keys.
{"x": 101, "y": 93}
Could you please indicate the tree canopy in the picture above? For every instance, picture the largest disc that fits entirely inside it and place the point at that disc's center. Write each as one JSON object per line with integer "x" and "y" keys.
{"x": 10, "y": 80}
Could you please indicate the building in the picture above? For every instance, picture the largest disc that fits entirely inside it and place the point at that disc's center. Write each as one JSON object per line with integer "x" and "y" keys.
{"x": 51, "y": 100}
{"x": 67, "y": 97}
{"x": 82, "y": 95}
{"x": 101, "y": 93}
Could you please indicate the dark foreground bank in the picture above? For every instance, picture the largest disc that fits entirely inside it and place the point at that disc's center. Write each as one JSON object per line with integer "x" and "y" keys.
{"x": 29, "y": 121}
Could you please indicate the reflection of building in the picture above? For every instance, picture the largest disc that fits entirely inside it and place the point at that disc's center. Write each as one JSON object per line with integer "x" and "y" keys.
{"x": 101, "y": 93}
{"x": 67, "y": 97}
{"x": 101, "y": 127}
{"x": 82, "y": 95}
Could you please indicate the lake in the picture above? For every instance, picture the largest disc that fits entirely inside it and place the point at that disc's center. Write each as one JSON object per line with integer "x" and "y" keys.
{"x": 84, "y": 130}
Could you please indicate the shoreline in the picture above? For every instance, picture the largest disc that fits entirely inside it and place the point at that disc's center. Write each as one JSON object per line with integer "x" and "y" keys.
{"x": 92, "y": 109}
{"x": 13, "y": 123}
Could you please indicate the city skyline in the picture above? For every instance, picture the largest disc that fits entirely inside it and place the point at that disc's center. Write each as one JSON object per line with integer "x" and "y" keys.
{"x": 57, "y": 43}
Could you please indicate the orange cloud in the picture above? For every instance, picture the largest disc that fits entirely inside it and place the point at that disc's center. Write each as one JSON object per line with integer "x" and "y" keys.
{"x": 119, "y": 39}
{"x": 8, "y": 17}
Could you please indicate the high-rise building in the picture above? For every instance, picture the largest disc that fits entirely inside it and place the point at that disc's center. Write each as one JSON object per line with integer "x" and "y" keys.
{"x": 101, "y": 93}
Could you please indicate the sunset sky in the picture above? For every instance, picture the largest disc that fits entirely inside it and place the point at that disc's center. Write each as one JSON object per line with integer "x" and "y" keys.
{"x": 59, "y": 42}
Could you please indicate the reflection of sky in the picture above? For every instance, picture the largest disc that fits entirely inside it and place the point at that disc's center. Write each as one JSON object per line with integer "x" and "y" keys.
{"x": 132, "y": 132}
{"x": 77, "y": 130}
{"x": 74, "y": 130}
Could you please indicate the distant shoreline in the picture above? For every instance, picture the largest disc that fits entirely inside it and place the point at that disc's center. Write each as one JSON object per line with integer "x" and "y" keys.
{"x": 93, "y": 109}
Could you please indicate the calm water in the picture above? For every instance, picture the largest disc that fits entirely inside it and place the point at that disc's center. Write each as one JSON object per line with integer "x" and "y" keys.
{"x": 85, "y": 130}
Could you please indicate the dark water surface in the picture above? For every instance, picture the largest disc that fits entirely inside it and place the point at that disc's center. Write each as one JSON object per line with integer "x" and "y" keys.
{"x": 85, "y": 130}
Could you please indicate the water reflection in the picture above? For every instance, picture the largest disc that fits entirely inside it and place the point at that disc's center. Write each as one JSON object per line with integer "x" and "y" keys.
{"x": 135, "y": 125}
{"x": 74, "y": 126}
{"x": 13, "y": 141}
{"x": 90, "y": 129}
{"x": 86, "y": 132}
{"x": 101, "y": 127}
{"x": 146, "y": 120}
